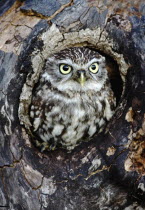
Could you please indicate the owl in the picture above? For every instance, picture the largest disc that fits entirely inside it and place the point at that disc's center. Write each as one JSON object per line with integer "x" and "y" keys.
{"x": 73, "y": 99}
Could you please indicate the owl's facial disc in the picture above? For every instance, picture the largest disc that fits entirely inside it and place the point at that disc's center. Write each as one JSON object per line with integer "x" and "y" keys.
{"x": 76, "y": 69}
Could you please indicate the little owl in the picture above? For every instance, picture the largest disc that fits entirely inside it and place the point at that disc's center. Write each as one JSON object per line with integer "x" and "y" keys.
{"x": 73, "y": 99}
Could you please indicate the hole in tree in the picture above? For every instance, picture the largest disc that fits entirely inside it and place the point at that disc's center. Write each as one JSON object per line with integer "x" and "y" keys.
{"x": 117, "y": 87}
{"x": 115, "y": 78}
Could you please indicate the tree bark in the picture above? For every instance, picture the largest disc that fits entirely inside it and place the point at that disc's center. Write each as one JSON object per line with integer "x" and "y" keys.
{"x": 106, "y": 172}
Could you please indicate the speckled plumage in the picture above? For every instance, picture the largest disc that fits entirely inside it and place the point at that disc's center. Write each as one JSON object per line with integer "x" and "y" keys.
{"x": 63, "y": 112}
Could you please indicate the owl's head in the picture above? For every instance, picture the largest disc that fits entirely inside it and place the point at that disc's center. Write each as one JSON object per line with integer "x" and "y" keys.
{"x": 76, "y": 69}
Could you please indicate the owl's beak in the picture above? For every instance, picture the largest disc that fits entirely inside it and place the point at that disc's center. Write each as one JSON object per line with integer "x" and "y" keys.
{"x": 81, "y": 77}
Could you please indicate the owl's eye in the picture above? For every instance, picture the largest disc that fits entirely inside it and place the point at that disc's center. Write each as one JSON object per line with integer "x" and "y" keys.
{"x": 94, "y": 67}
{"x": 65, "y": 69}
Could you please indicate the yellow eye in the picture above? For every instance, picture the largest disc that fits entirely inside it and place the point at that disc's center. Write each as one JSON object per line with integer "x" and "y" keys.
{"x": 65, "y": 69}
{"x": 94, "y": 67}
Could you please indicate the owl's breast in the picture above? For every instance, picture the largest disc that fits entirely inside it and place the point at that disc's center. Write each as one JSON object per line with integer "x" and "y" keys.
{"x": 67, "y": 121}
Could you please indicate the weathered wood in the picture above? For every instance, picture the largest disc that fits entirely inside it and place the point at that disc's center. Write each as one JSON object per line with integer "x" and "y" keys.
{"x": 104, "y": 173}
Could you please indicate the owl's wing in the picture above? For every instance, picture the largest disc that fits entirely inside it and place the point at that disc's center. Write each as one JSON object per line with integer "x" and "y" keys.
{"x": 36, "y": 111}
{"x": 110, "y": 103}
{"x": 39, "y": 103}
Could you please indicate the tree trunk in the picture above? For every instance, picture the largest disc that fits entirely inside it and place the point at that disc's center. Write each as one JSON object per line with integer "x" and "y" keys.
{"x": 106, "y": 172}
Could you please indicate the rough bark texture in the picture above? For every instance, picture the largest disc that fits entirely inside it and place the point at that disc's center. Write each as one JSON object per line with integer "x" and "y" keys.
{"x": 104, "y": 173}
